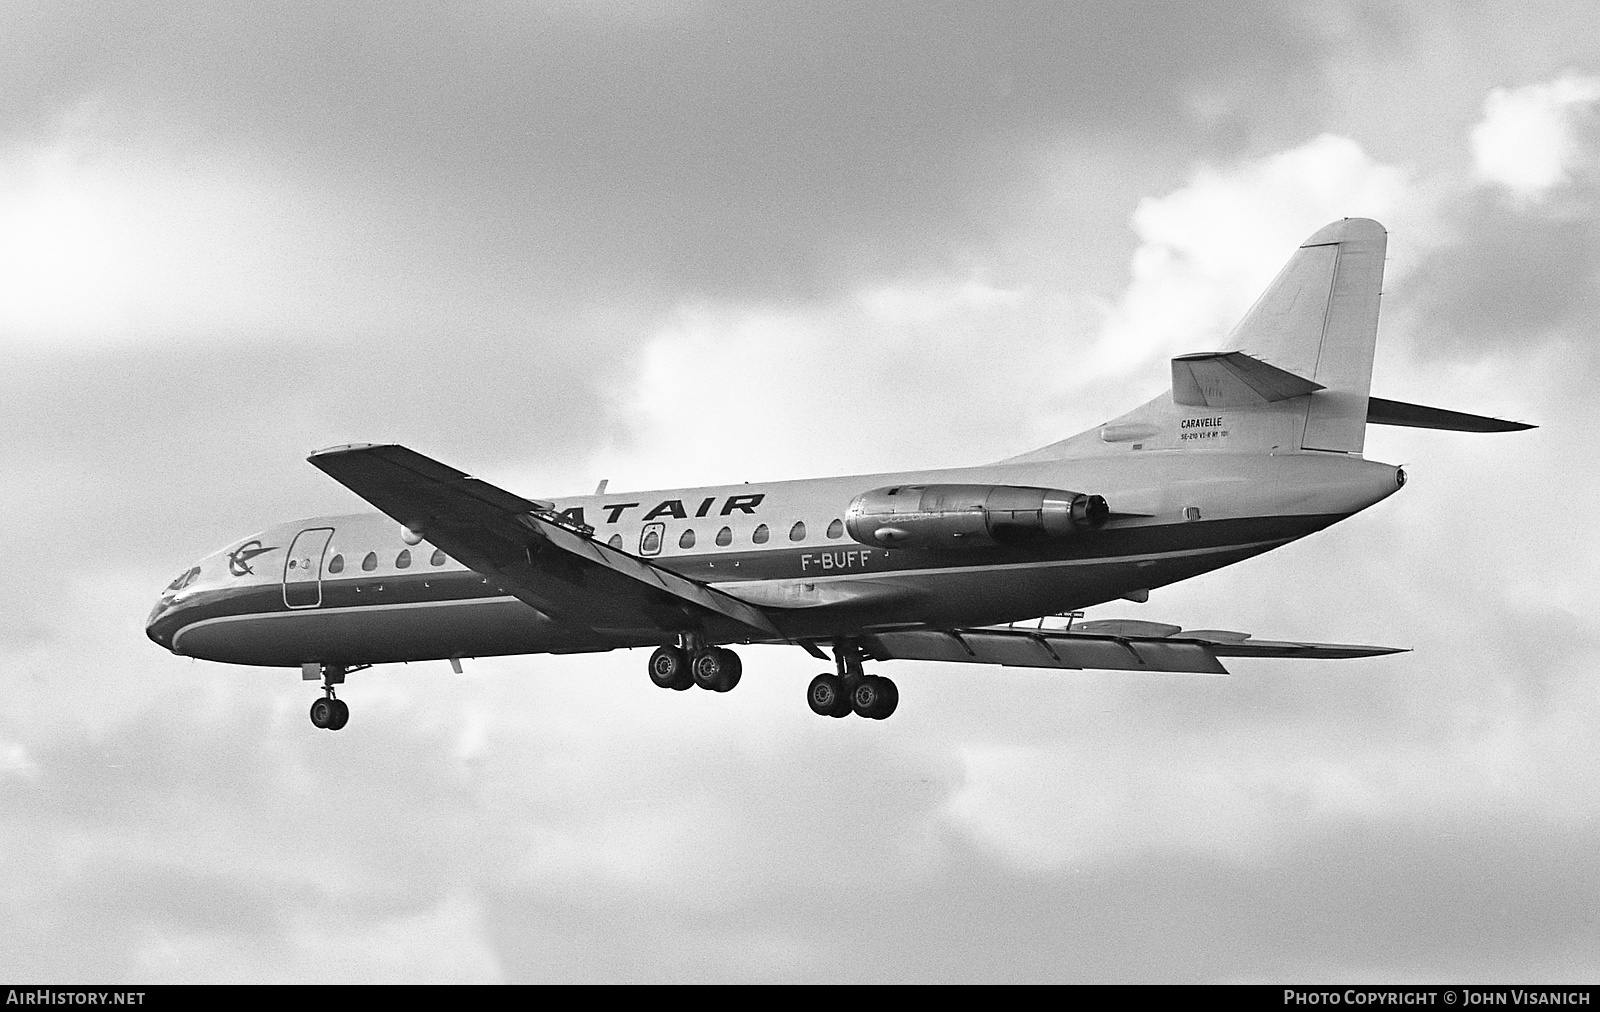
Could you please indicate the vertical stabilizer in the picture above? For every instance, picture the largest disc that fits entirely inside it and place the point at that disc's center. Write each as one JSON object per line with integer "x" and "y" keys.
{"x": 1319, "y": 320}
{"x": 1295, "y": 375}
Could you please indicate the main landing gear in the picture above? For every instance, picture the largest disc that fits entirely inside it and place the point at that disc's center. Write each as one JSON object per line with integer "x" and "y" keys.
{"x": 852, "y": 690}
{"x": 694, "y": 663}
{"x": 849, "y": 691}
{"x": 329, "y": 712}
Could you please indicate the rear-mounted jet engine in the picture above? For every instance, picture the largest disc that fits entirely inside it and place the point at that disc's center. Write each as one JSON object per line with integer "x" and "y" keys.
{"x": 970, "y": 516}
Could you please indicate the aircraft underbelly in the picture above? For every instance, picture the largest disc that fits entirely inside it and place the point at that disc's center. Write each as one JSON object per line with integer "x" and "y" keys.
{"x": 983, "y": 596}
{"x": 382, "y": 634}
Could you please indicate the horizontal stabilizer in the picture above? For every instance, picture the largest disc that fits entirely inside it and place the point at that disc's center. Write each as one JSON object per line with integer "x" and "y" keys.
{"x": 1232, "y": 379}
{"x": 1099, "y": 645}
{"x": 1417, "y": 416}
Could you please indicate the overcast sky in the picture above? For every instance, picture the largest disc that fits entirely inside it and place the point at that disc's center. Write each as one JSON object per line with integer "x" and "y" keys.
{"x": 669, "y": 243}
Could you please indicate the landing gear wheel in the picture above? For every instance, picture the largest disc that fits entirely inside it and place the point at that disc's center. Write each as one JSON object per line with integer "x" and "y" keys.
{"x": 866, "y": 697}
{"x": 322, "y": 712}
{"x": 875, "y": 697}
{"x": 341, "y": 714}
{"x": 717, "y": 669}
{"x": 827, "y": 697}
{"x": 669, "y": 668}
{"x": 735, "y": 670}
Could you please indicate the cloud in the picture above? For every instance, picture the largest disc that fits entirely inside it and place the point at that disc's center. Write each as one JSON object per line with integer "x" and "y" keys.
{"x": 1491, "y": 274}
{"x": 711, "y": 150}
{"x": 1533, "y": 138}
{"x": 1208, "y": 248}
{"x": 711, "y": 242}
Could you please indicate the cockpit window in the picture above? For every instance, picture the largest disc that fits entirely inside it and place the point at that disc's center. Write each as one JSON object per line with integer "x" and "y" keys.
{"x": 185, "y": 578}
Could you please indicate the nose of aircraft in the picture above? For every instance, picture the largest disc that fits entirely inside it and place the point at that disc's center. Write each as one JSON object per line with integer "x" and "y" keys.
{"x": 160, "y": 632}
{"x": 163, "y": 621}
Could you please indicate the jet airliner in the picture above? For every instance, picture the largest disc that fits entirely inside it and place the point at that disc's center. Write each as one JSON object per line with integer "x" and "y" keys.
{"x": 1251, "y": 448}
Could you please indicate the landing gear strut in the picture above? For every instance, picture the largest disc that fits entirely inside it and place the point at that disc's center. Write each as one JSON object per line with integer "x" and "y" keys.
{"x": 851, "y": 690}
{"x": 694, "y": 663}
{"x": 329, "y": 712}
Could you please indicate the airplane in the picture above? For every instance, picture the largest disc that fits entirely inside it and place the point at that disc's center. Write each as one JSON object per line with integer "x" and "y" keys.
{"x": 1252, "y": 447}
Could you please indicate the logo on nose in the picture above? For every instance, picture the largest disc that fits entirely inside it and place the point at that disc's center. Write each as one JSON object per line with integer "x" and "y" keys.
{"x": 239, "y": 558}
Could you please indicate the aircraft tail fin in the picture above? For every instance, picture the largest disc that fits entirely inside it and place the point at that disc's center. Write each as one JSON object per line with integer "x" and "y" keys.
{"x": 1318, "y": 322}
{"x": 1296, "y": 373}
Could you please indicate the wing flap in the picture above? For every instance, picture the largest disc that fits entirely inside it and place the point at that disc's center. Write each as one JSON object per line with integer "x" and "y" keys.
{"x": 517, "y": 542}
{"x": 1178, "y": 652}
{"x": 1035, "y": 649}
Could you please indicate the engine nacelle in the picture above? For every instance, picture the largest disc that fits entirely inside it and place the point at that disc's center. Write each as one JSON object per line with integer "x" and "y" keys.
{"x": 969, "y": 516}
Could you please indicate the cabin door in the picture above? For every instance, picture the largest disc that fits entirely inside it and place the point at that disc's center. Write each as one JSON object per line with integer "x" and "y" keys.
{"x": 302, "y": 572}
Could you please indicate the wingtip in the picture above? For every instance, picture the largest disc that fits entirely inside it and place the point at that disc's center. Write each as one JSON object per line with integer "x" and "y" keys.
{"x": 334, "y": 451}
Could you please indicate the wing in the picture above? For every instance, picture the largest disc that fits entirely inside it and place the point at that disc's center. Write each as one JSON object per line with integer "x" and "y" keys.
{"x": 1117, "y": 645}
{"x": 526, "y": 548}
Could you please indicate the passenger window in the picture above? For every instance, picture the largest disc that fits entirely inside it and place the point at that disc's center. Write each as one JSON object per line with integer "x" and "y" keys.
{"x": 725, "y": 536}
{"x": 336, "y": 564}
{"x": 686, "y": 540}
{"x": 438, "y": 557}
{"x": 369, "y": 563}
{"x": 798, "y": 531}
{"x": 836, "y": 529}
{"x": 403, "y": 560}
{"x": 616, "y": 542}
{"x": 761, "y": 535}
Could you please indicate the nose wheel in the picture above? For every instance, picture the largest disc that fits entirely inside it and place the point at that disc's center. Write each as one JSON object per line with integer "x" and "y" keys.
{"x": 330, "y": 712}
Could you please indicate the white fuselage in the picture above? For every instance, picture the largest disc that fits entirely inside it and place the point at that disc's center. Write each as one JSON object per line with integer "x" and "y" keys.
{"x": 359, "y": 589}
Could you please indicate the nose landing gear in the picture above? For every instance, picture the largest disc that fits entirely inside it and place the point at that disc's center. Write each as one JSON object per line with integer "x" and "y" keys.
{"x": 330, "y": 712}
